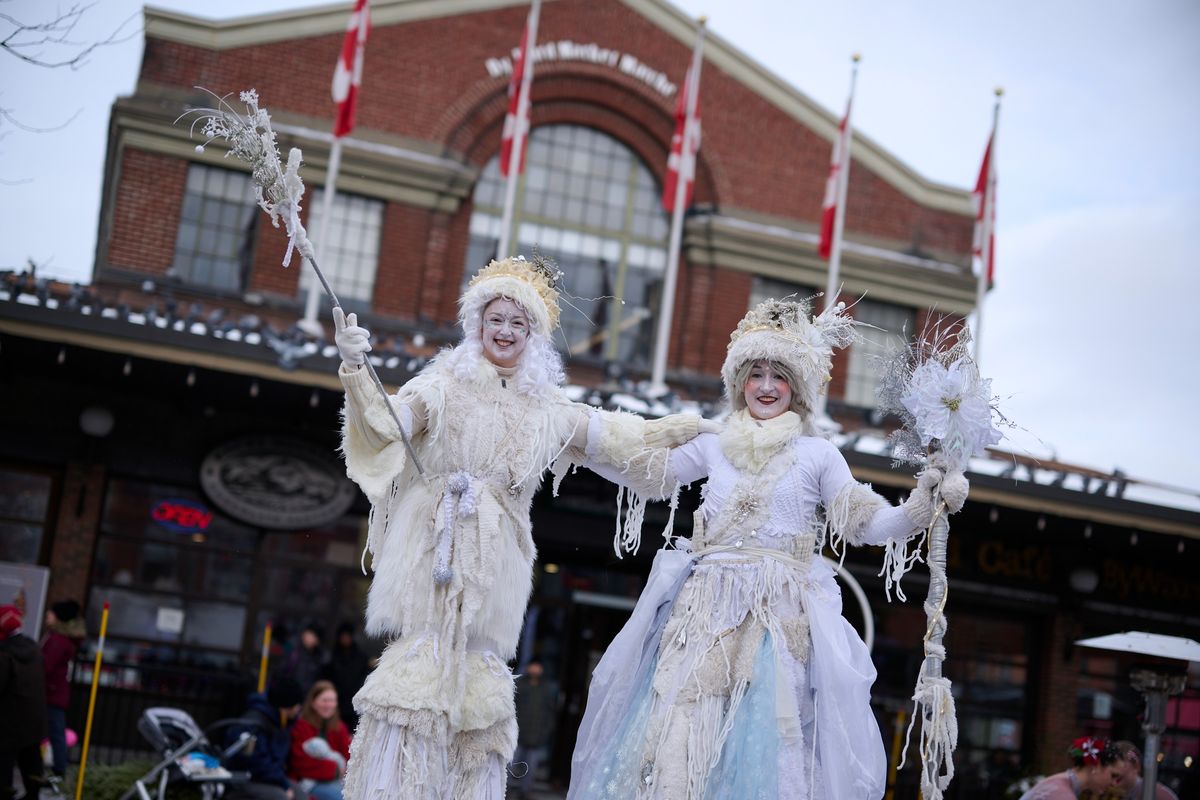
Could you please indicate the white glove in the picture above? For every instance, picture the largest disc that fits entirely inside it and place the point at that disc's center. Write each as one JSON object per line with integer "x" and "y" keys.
{"x": 353, "y": 341}
{"x": 954, "y": 491}
{"x": 710, "y": 426}
{"x": 919, "y": 505}
{"x": 316, "y": 747}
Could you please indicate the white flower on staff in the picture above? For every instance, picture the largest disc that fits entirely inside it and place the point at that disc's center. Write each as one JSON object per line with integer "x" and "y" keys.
{"x": 954, "y": 406}
{"x": 251, "y": 139}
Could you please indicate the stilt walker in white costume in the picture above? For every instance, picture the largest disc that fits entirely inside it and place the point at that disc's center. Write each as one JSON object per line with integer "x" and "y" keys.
{"x": 451, "y": 548}
{"x": 736, "y": 675}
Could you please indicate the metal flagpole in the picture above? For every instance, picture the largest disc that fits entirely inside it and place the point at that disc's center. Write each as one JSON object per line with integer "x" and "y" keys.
{"x": 314, "y": 288}
{"x": 839, "y": 213}
{"x": 985, "y": 244}
{"x": 666, "y": 303}
{"x": 520, "y": 129}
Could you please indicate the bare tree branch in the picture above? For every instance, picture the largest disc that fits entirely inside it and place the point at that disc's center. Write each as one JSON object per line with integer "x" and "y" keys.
{"x": 8, "y": 115}
{"x": 43, "y": 43}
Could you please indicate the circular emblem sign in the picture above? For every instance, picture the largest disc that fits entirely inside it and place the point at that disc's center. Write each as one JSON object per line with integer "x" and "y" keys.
{"x": 277, "y": 482}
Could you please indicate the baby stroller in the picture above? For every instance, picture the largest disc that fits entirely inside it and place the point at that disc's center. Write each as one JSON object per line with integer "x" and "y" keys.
{"x": 188, "y": 755}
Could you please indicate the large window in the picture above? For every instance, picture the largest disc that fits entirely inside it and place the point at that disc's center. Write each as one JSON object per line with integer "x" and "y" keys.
{"x": 586, "y": 201}
{"x": 349, "y": 250}
{"x": 885, "y": 327}
{"x": 215, "y": 243}
{"x": 23, "y": 506}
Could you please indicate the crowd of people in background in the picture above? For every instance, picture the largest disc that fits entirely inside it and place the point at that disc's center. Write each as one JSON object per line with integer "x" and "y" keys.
{"x": 304, "y": 722}
{"x": 35, "y": 691}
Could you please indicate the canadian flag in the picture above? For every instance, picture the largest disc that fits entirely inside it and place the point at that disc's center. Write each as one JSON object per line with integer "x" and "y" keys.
{"x": 347, "y": 75}
{"x": 685, "y": 143}
{"x": 984, "y": 199}
{"x": 837, "y": 168}
{"x": 516, "y": 121}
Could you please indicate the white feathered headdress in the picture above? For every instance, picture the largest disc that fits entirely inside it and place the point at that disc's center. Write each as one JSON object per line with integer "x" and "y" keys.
{"x": 782, "y": 331}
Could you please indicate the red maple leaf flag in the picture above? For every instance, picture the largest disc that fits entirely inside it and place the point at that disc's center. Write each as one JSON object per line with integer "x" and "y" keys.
{"x": 347, "y": 75}
{"x": 837, "y": 168}
{"x": 516, "y": 120}
{"x": 685, "y": 143}
{"x": 984, "y": 199}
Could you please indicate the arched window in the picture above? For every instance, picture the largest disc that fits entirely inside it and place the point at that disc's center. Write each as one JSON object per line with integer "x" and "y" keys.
{"x": 586, "y": 201}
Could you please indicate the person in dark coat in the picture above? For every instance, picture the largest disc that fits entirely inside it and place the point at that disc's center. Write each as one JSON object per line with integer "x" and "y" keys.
{"x": 23, "y": 701}
{"x": 64, "y": 631}
{"x": 304, "y": 663}
{"x": 536, "y": 701}
{"x": 346, "y": 669}
{"x": 268, "y": 718}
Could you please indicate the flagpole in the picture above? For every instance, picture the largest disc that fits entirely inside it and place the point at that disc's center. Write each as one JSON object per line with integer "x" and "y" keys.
{"x": 314, "y": 288}
{"x": 518, "y": 145}
{"x": 839, "y": 213}
{"x": 666, "y": 303}
{"x": 347, "y": 76}
{"x": 985, "y": 243}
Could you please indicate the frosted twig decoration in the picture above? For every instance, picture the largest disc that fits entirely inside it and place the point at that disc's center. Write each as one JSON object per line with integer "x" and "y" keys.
{"x": 251, "y": 139}
{"x": 277, "y": 190}
{"x": 947, "y": 412}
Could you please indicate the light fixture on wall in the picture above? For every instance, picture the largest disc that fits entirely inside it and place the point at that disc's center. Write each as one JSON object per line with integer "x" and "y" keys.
{"x": 128, "y": 368}
{"x": 191, "y": 377}
{"x": 1084, "y": 579}
{"x": 1087, "y": 531}
{"x": 254, "y": 388}
{"x": 96, "y": 421}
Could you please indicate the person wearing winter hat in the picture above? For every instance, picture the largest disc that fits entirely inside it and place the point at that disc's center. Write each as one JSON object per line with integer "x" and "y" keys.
{"x": 268, "y": 718}
{"x": 23, "y": 699}
{"x": 736, "y": 675}
{"x": 451, "y": 547}
{"x": 64, "y": 631}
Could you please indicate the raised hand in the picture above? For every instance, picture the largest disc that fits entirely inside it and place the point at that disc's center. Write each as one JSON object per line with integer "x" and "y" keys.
{"x": 352, "y": 340}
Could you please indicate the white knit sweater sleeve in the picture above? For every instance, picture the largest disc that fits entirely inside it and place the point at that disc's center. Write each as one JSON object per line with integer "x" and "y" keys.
{"x": 374, "y": 452}
{"x": 856, "y": 513}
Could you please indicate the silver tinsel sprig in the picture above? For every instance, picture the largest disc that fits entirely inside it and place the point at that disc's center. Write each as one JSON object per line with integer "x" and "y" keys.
{"x": 249, "y": 136}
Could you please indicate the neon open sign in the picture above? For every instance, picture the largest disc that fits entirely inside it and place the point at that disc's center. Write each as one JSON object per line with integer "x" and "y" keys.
{"x": 181, "y": 516}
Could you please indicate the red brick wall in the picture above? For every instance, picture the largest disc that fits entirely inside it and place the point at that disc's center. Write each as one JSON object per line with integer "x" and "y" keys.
{"x": 270, "y": 243}
{"x": 426, "y": 80}
{"x": 75, "y": 532}
{"x": 754, "y": 155}
{"x": 709, "y": 304}
{"x": 1056, "y": 692}
{"x": 146, "y": 213}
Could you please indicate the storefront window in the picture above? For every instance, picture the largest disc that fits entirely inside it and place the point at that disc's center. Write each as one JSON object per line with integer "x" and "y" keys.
{"x": 586, "y": 201}
{"x": 349, "y": 245}
{"x": 23, "y": 506}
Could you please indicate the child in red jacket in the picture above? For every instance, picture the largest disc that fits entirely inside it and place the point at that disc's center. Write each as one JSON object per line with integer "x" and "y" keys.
{"x": 320, "y": 744}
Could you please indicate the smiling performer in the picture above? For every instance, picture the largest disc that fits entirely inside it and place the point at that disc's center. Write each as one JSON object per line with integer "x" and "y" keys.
{"x": 736, "y": 675}
{"x": 452, "y": 550}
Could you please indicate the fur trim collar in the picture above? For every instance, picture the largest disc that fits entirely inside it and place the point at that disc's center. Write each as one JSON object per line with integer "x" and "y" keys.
{"x": 750, "y": 443}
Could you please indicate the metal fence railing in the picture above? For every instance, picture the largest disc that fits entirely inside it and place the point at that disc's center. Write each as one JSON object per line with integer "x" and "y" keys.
{"x": 128, "y": 689}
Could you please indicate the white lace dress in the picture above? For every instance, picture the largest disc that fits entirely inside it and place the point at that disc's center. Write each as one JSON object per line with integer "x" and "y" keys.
{"x": 736, "y": 675}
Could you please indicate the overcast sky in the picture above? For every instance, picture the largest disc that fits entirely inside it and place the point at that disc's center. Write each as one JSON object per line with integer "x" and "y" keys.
{"x": 1092, "y": 329}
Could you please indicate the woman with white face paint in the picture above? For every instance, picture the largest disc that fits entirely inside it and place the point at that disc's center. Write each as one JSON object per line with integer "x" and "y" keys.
{"x": 452, "y": 550}
{"x": 736, "y": 675}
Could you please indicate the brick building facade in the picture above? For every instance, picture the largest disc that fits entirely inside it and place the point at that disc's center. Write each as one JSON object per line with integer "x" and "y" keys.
{"x": 189, "y": 343}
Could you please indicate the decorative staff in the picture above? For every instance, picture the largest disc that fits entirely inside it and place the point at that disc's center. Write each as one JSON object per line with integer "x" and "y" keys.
{"x": 947, "y": 411}
{"x": 277, "y": 190}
